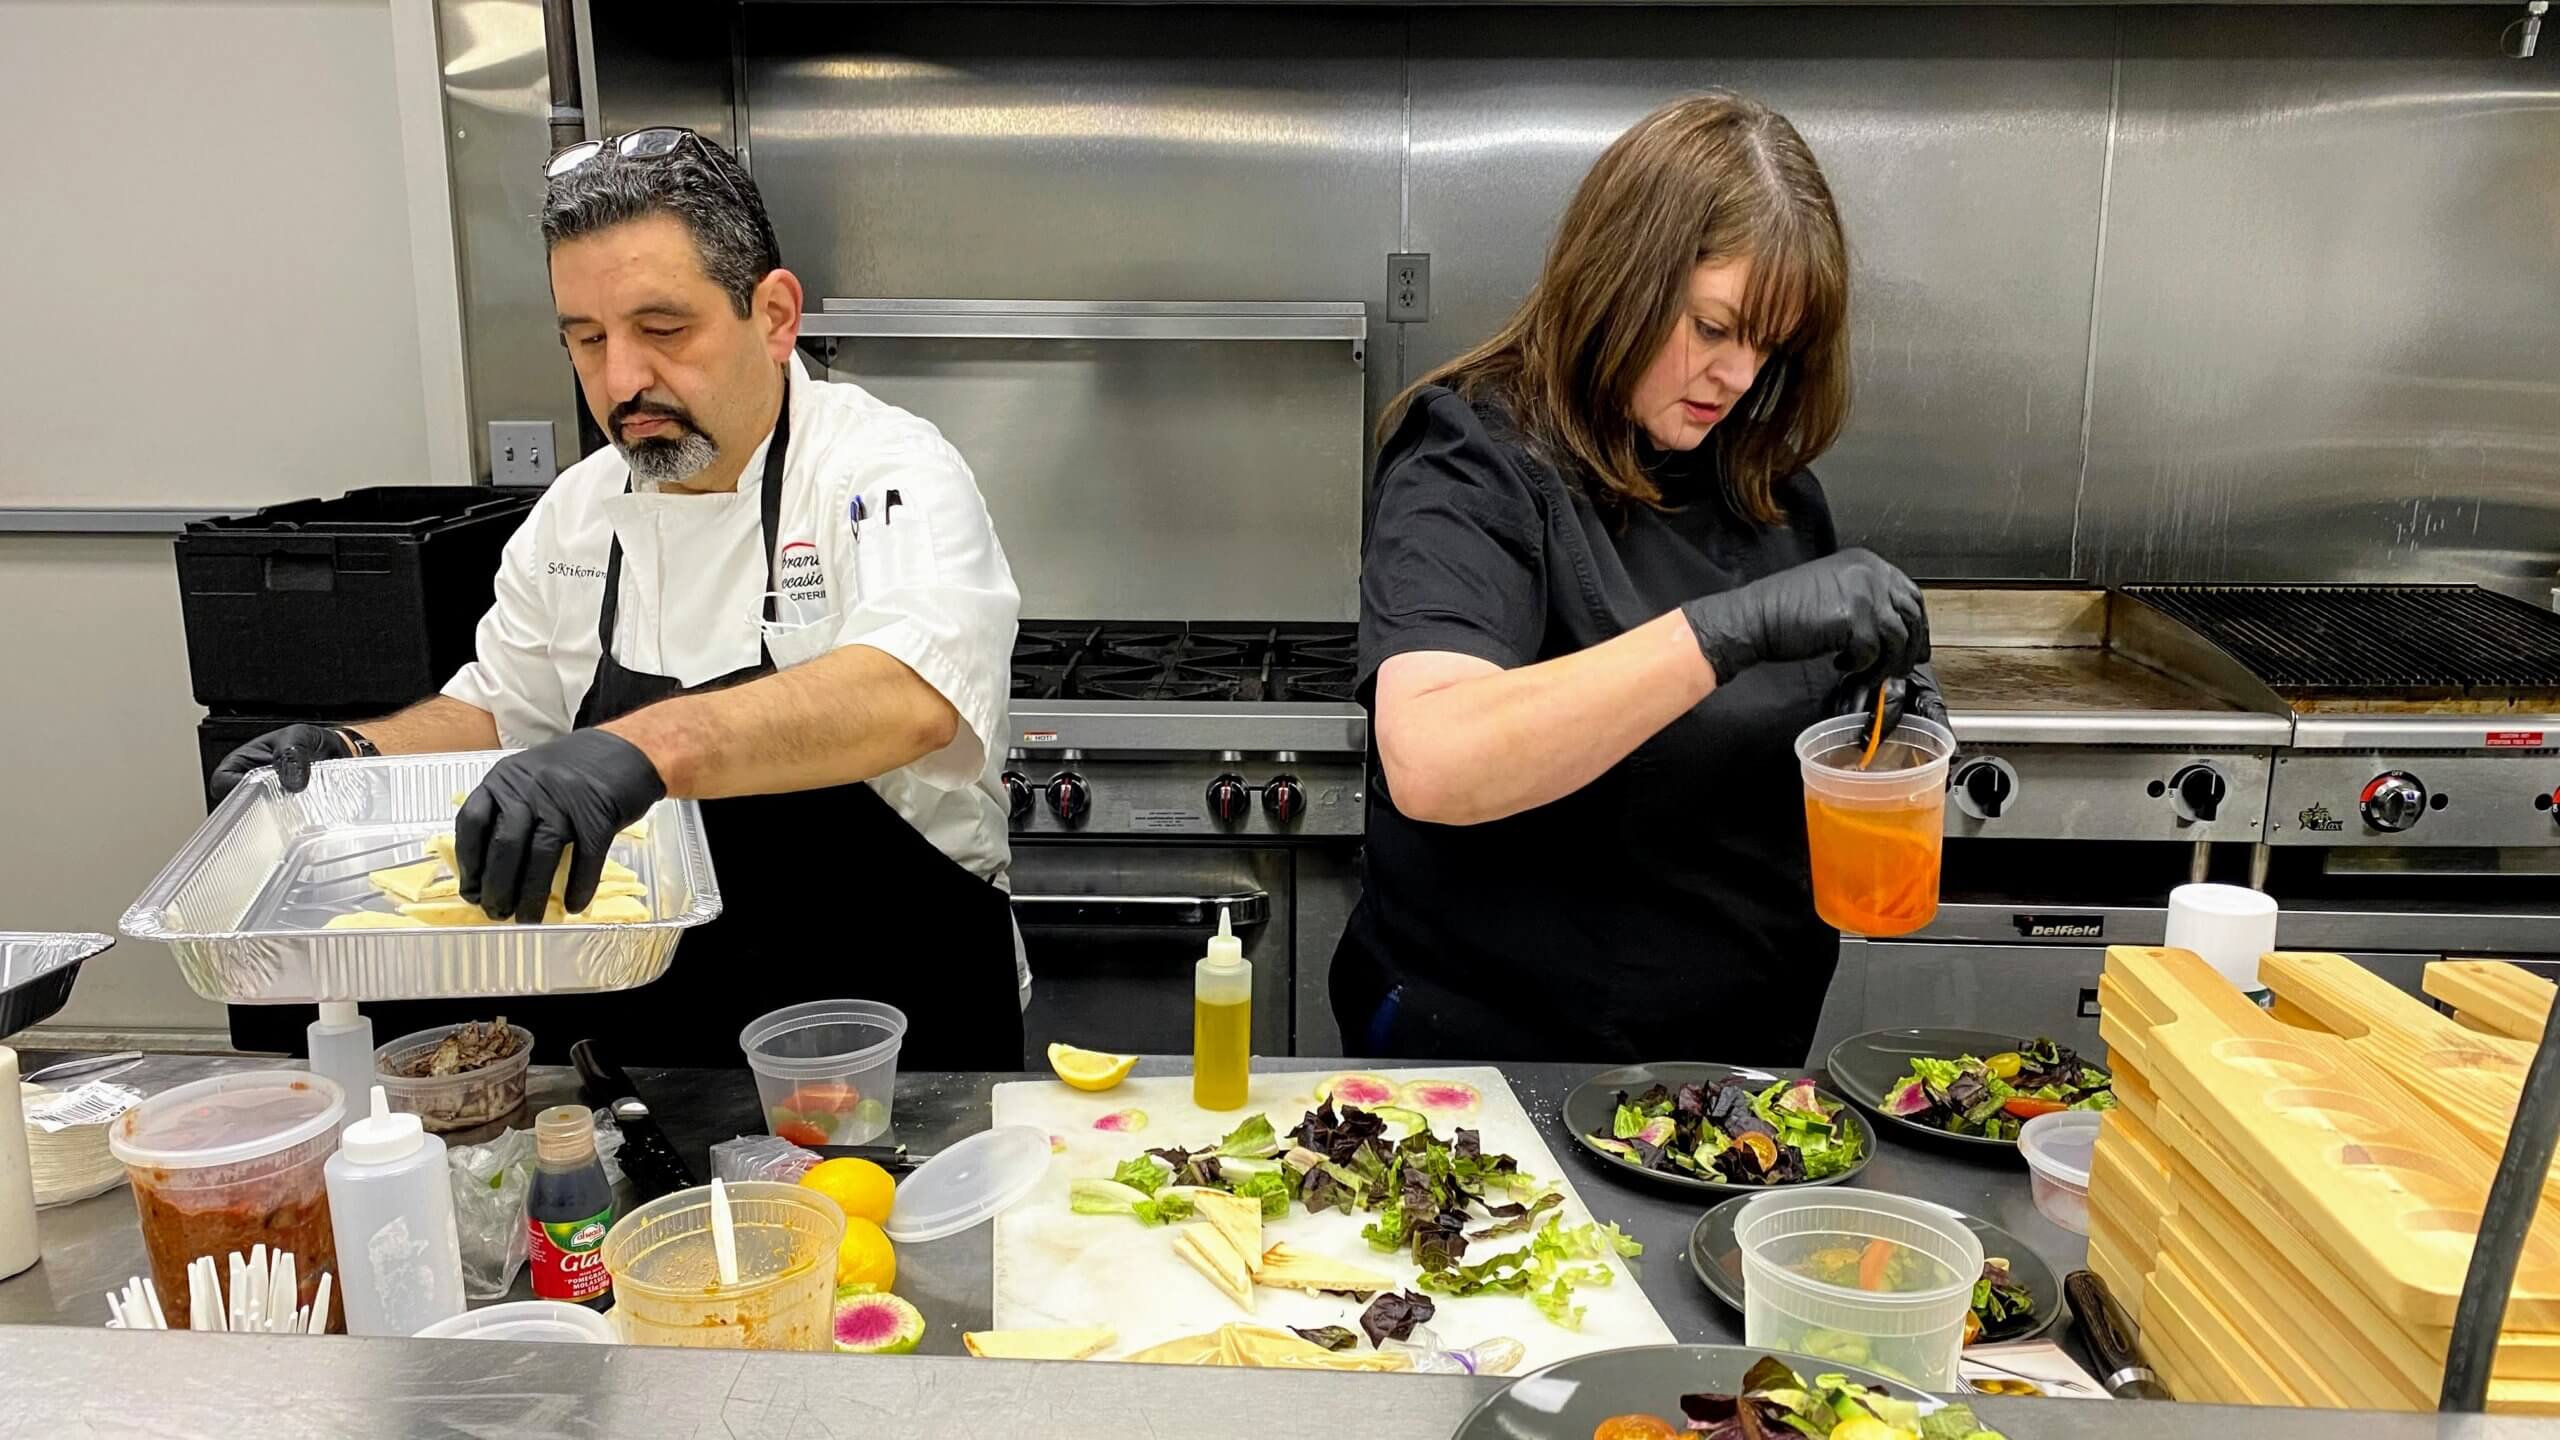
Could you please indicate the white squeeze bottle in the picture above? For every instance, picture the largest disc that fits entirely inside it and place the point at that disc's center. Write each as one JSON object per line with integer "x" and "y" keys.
{"x": 18, "y": 1248}
{"x": 341, "y": 1042}
{"x": 391, "y": 1211}
{"x": 1222, "y": 1022}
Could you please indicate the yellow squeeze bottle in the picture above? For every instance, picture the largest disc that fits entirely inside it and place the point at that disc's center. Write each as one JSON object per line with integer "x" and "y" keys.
{"x": 1222, "y": 1022}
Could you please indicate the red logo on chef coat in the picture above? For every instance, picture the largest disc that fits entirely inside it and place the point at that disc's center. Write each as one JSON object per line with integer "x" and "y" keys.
{"x": 802, "y": 579}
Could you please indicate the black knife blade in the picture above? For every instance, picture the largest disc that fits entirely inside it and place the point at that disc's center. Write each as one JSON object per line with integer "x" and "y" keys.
{"x": 887, "y": 1157}
{"x": 648, "y": 1157}
{"x": 2113, "y": 1340}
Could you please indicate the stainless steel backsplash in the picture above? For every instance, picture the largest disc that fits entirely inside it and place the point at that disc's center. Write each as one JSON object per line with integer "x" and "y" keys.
{"x": 2142, "y": 293}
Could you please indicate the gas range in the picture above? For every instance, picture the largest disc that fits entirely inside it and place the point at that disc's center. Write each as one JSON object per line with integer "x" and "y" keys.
{"x": 1157, "y": 730}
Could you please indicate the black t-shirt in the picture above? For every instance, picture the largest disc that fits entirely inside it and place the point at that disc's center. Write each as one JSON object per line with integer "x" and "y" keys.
{"x": 1665, "y": 909}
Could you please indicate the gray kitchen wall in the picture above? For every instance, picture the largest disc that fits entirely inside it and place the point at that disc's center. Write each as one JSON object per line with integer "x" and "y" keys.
{"x": 2142, "y": 293}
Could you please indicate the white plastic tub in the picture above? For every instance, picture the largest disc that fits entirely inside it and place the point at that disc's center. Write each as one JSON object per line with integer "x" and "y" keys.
{"x": 2058, "y": 1147}
{"x": 1909, "y": 1328}
{"x": 543, "y": 1320}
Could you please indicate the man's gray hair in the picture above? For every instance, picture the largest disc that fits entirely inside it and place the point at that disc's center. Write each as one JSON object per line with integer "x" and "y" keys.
{"x": 700, "y": 184}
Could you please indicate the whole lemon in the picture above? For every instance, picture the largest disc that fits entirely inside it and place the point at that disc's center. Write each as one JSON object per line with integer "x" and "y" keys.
{"x": 866, "y": 1260}
{"x": 863, "y": 1189}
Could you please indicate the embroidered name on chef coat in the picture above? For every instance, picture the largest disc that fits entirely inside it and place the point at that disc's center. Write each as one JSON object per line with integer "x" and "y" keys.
{"x": 801, "y": 582}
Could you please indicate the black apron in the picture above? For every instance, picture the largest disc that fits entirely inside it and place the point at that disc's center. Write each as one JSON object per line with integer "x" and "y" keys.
{"x": 827, "y": 894}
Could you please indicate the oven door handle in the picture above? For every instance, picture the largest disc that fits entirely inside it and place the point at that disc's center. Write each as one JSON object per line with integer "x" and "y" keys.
{"x": 1151, "y": 912}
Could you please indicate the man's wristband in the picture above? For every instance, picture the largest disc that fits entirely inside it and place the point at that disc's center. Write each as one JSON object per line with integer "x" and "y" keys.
{"x": 356, "y": 743}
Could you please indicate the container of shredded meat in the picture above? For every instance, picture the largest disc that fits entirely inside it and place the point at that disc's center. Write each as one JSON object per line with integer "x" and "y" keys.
{"x": 228, "y": 1164}
{"x": 457, "y": 1077}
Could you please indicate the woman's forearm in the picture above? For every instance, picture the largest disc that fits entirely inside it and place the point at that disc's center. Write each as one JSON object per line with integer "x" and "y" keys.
{"x": 1464, "y": 741}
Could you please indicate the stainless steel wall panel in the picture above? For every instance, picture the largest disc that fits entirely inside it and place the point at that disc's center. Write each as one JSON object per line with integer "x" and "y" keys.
{"x": 992, "y": 152}
{"x": 2329, "y": 329}
{"x": 664, "y": 62}
{"x": 498, "y": 102}
{"x": 1966, "y": 149}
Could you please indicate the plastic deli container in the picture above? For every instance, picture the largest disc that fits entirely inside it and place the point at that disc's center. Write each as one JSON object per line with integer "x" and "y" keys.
{"x": 464, "y": 1101}
{"x": 1874, "y": 835}
{"x": 228, "y": 1164}
{"x": 826, "y": 1071}
{"x": 2058, "y": 1147}
{"x": 546, "y": 1320}
{"x": 666, "y": 1280}
{"x": 1877, "y": 1281}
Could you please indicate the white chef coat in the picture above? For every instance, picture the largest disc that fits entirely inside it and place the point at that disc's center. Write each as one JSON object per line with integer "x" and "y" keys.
{"x": 923, "y": 580}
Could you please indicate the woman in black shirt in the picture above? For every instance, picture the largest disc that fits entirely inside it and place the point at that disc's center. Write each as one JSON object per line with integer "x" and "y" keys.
{"x": 1602, "y": 594}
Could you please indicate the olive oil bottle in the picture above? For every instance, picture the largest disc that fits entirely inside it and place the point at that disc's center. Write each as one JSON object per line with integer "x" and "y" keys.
{"x": 1222, "y": 1022}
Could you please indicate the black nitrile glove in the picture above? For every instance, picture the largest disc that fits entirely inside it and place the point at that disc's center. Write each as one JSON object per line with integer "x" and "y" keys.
{"x": 570, "y": 794}
{"x": 291, "y": 750}
{"x": 1912, "y": 694}
{"x": 1851, "y": 605}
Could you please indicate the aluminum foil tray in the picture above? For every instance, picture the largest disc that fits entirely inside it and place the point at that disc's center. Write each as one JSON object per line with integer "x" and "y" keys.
{"x": 242, "y": 906}
{"x": 36, "y": 971}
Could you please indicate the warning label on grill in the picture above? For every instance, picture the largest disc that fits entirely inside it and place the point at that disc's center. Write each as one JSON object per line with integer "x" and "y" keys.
{"x": 1164, "y": 820}
{"x": 2515, "y": 739}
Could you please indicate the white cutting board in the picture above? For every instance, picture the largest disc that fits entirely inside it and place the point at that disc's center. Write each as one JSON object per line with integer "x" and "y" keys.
{"x": 1055, "y": 1267}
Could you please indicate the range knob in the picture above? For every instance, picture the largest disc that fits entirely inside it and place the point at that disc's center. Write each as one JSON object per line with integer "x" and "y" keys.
{"x": 1069, "y": 796}
{"x": 2393, "y": 800}
{"x": 1017, "y": 796}
{"x": 1284, "y": 799}
{"x": 2198, "y": 791}
{"x": 1983, "y": 787}
{"x": 1229, "y": 798}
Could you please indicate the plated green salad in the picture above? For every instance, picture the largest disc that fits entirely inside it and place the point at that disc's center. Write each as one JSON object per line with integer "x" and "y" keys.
{"x": 1730, "y": 1131}
{"x": 1995, "y": 1096}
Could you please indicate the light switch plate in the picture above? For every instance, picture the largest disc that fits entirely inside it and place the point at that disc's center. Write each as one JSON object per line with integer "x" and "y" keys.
{"x": 520, "y": 452}
{"x": 1409, "y": 287}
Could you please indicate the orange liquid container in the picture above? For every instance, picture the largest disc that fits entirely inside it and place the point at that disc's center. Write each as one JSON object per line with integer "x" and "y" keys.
{"x": 1874, "y": 836}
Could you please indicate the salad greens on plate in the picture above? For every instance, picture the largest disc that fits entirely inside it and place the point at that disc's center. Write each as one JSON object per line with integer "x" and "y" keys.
{"x": 1732, "y": 1131}
{"x": 1777, "y": 1404}
{"x": 1995, "y": 1096}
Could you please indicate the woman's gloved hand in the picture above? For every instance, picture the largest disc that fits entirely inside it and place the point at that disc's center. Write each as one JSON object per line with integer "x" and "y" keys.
{"x": 1912, "y": 694}
{"x": 1852, "y": 606}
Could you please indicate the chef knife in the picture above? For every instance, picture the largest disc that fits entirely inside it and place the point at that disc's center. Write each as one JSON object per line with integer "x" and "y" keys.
{"x": 648, "y": 1157}
{"x": 887, "y": 1157}
{"x": 2112, "y": 1339}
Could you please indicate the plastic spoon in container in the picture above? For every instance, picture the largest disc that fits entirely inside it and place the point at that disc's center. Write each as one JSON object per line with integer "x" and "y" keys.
{"x": 724, "y": 1235}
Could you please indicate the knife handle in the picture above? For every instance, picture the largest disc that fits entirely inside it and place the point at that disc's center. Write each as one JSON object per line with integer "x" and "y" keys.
{"x": 2112, "y": 1339}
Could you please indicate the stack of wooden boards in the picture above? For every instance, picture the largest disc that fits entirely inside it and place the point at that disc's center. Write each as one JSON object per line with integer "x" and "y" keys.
{"x": 2288, "y": 1208}
{"x": 2493, "y": 997}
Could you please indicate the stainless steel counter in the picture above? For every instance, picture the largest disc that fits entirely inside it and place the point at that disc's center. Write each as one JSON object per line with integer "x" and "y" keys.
{"x": 85, "y": 1380}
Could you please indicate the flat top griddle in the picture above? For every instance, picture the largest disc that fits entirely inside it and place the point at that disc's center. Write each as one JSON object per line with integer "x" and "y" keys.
{"x": 2427, "y": 648}
{"x": 2077, "y": 680}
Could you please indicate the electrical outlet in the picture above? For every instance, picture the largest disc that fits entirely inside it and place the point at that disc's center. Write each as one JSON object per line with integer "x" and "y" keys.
{"x": 1409, "y": 287}
{"x": 520, "y": 453}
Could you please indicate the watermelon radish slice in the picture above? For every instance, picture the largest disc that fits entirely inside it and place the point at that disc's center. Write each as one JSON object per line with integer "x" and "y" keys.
{"x": 873, "y": 1324}
{"x": 1122, "y": 1121}
{"x": 1441, "y": 1097}
{"x": 1366, "y": 1091}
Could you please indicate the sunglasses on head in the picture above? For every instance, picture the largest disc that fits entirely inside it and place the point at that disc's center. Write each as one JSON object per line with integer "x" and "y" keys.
{"x": 657, "y": 142}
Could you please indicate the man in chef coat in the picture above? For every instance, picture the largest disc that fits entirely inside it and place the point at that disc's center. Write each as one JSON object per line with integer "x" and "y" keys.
{"x": 774, "y": 594}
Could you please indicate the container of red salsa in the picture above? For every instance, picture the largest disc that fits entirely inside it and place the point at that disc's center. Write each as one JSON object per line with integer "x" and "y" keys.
{"x": 230, "y": 1163}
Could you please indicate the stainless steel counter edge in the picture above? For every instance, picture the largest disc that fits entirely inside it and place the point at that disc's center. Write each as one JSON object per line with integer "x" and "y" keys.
{"x": 1306, "y": 727}
{"x": 2209, "y": 728}
{"x": 75, "y": 1382}
{"x": 2305, "y": 928}
{"x": 2425, "y": 732}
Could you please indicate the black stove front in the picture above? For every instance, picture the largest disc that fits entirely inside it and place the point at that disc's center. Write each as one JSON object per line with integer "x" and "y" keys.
{"x": 1185, "y": 662}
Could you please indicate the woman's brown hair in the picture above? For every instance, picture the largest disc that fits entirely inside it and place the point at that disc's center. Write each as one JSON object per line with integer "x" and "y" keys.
{"x": 1717, "y": 176}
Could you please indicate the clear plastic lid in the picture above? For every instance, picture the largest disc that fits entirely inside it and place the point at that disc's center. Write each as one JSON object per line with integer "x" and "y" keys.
{"x": 970, "y": 1183}
{"x": 2058, "y": 1145}
{"x": 536, "y": 1320}
{"x": 227, "y": 1120}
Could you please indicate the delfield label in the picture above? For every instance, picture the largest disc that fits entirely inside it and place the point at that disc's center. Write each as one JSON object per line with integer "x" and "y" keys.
{"x": 2061, "y": 927}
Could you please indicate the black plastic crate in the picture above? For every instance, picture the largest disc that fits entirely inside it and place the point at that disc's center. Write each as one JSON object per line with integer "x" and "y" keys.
{"x": 356, "y": 605}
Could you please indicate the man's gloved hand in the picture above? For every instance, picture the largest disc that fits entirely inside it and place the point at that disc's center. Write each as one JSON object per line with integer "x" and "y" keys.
{"x": 570, "y": 794}
{"x": 291, "y": 750}
{"x": 1851, "y": 605}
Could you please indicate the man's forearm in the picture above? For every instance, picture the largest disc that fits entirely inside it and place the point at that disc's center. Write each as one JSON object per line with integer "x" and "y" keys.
{"x": 433, "y": 725}
{"x": 850, "y": 715}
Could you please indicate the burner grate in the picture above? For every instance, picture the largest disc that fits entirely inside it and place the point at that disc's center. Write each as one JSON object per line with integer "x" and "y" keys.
{"x": 1194, "y": 663}
{"x": 2379, "y": 640}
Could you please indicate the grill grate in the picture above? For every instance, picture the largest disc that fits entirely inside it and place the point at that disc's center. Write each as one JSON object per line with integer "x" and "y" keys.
{"x": 2380, "y": 640}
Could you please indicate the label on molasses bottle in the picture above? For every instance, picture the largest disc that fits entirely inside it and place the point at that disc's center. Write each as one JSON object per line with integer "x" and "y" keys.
{"x": 567, "y": 1258}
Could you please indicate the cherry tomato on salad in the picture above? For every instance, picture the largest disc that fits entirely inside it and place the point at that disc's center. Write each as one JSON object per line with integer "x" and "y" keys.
{"x": 1636, "y": 1427}
{"x": 800, "y": 1132}
{"x": 2006, "y": 1064}
{"x": 2028, "y": 1107}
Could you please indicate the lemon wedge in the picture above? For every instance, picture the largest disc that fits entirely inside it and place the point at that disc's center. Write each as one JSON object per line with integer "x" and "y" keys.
{"x": 1089, "y": 1069}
